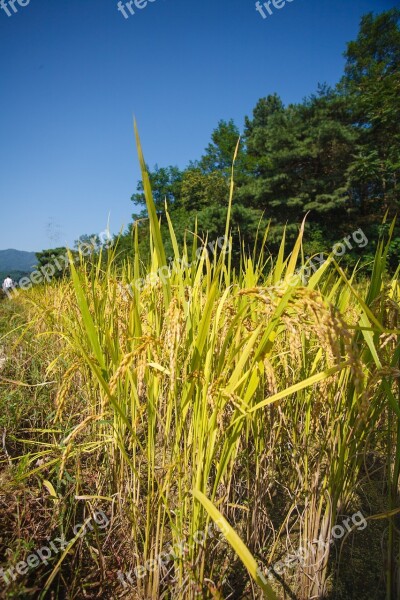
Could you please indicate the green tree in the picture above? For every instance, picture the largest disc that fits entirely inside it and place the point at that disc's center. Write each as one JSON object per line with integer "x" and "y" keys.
{"x": 298, "y": 158}
{"x": 200, "y": 190}
{"x": 54, "y": 262}
{"x": 372, "y": 85}
{"x": 220, "y": 151}
{"x": 166, "y": 185}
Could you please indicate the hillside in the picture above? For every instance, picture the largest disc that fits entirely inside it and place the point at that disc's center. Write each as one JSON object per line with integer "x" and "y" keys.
{"x": 16, "y": 263}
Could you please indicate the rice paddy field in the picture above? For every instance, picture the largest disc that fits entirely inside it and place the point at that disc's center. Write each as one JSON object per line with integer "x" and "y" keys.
{"x": 226, "y": 432}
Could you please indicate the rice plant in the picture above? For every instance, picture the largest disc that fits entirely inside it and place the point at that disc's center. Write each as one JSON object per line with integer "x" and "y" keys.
{"x": 227, "y": 413}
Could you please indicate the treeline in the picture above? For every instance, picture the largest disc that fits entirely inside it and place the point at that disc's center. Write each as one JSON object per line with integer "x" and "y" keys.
{"x": 335, "y": 156}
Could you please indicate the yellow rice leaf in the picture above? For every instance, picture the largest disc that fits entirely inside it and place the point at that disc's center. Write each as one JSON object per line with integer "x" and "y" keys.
{"x": 50, "y": 489}
{"x": 159, "y": 368}
{"x": 236, "y": 543}
{"x": 299, "y": 386}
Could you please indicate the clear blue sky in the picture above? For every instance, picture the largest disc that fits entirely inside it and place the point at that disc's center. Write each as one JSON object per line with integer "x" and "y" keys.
{"x": 74, "y": 71}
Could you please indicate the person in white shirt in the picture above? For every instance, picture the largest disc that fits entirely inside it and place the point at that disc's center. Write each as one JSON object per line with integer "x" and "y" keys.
{"x": 8, "y": 284}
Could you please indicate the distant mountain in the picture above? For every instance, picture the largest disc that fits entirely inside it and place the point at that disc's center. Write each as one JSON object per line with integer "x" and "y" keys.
{"x": 17, "y": 260}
